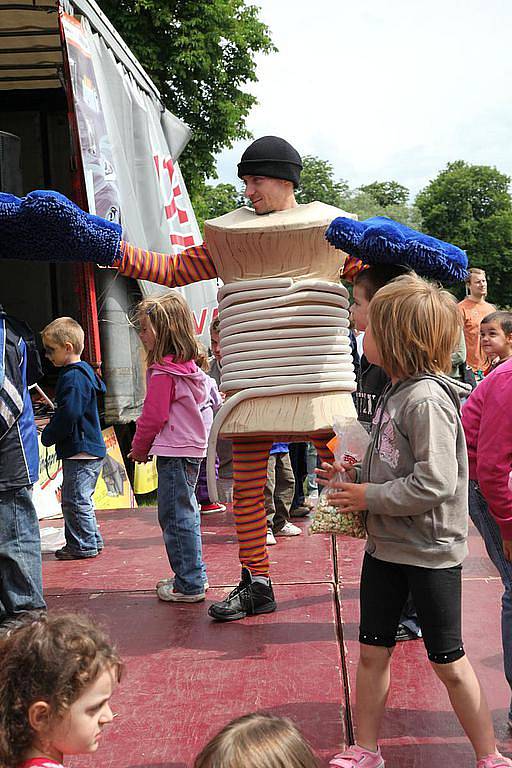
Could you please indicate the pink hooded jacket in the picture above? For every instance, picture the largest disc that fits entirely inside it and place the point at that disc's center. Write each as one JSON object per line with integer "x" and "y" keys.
{"x": 487, "y": 421}
{"x": 172, "y": 421}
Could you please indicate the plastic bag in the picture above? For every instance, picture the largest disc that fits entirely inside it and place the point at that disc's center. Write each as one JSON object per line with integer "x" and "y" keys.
{"x": 351, "y": 442}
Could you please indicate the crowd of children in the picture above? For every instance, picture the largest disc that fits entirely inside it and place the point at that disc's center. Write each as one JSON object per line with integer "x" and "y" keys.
{"x": 411, "y": 488}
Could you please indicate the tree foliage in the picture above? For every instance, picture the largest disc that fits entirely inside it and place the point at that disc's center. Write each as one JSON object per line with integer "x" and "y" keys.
{"x": 386, "y": 198}
{"x": 387, "y": 193}
{"x": 200, "y": 54}
{"x": 212, "y": 201}
{"x": 317, "y": 182}
{"x": 470, "y": 206}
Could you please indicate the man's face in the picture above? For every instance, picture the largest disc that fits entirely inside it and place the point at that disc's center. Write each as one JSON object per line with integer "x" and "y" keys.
{"x": 478, "y": 284}
{"x": 266, "y": 194}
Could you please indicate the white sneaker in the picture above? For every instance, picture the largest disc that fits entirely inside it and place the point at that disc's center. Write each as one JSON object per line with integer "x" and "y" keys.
{"x": 170, "y": 580}
{"x": 289, "y": 529}
{"x": 169, "y": 594}
{"x": 271, "y": 539}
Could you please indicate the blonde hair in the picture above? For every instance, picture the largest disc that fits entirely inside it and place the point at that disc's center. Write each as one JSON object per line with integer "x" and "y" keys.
{"x": 415, "y": 326}
{"x": 201, "y": 359}
{"x": 474, "y": 271}
{"x": 65, "y": 329}
{"x": 171, "y": 319}
{"x": 257, "y": 741}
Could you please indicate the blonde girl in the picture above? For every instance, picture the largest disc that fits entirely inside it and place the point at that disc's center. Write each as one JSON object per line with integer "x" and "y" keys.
{"x": 172, "y": 427}
{"x": 57, "y": 674}
{"x": 257, "y": 741}
{"x": 412, "y": 487}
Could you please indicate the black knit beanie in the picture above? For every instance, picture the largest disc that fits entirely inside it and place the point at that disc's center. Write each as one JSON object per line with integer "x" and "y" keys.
{"x": 271, "y": 156}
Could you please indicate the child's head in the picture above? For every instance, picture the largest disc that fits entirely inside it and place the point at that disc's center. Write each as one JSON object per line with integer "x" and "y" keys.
{"x": 257, "y": 741}
{"x": 496, "y": 335}
{"x": 215, "y": 338}
{"x": 166, "y": 327}
{"x": 63, "y": 341}
{"x": 413, "y": 328}
{"x": 366, "y": 284}
{"x": 56, "y": 678}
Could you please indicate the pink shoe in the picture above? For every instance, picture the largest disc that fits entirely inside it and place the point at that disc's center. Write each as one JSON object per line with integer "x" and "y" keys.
{"x": 362, "y": 758}
{"x": 494, "y": 761}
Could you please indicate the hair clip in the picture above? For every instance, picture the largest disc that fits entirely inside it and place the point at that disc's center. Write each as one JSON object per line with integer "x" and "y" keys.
{"x": 149, "y": 311}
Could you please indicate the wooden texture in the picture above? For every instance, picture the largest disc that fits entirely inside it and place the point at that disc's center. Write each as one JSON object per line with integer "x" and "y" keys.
{"x": 289, "y": 418}
{"x": 291, "y": 243}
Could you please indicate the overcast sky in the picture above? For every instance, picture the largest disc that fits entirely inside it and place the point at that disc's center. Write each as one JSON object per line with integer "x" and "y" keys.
{"x": 386, "y": 90}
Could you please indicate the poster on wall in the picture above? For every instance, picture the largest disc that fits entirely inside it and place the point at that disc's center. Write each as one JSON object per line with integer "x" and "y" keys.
{"x": 100, "y": 177}
{"x": 113, "y": 490}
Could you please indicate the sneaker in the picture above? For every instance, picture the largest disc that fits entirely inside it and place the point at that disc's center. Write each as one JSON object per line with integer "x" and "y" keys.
{"x": 358, "y": 757}
{"x": 404, "y": 633}
{"x": 209, "y": 509}
{"x": 68, "y": 554}
{"x": 248, "y": 599}
{"x": 301, "y": 511}
{"x": 289, "y": 529}
{"x": 271, "y": 539}
{"x": 168, "y": 593}
{"x": 494, "y": 761}
{"x": 170, "y": 580}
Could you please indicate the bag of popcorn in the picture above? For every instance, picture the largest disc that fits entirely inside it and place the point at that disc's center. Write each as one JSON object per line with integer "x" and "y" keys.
{"x": 350, "y": 446}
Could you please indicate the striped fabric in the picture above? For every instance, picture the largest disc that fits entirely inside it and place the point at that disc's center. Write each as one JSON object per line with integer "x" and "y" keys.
{"x": 190, "y": 266}
{"x": 250, "y": 458}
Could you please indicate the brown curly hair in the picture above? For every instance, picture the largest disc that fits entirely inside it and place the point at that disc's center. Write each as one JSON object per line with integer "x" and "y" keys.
{"x": 52, "y": 658}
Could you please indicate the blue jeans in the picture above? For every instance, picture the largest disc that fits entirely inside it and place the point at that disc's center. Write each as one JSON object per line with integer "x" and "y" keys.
{"x": 79, "y": 478}
{"x": 21, "y": 580}
{"x": 490, "y": 532}
{"x": 180, "y": 521}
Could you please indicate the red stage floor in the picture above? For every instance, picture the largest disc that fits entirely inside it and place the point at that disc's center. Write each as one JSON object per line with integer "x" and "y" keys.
{"x": 187, "y": 676}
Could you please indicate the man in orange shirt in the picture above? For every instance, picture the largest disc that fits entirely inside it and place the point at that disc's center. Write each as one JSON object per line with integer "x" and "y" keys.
{"x": 474, "y": 308}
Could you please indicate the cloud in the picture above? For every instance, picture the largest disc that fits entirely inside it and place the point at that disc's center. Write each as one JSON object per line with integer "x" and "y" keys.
{"x": 390, "y": 91}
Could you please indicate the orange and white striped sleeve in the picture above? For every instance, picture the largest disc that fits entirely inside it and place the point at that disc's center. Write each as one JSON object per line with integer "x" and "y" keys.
{"x": 190, "y": 266}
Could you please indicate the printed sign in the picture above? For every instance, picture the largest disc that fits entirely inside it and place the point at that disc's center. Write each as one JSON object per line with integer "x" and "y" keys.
{"x": 113, "y": 490}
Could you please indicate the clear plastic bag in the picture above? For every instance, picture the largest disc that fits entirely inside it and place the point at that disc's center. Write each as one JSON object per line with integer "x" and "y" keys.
{"x": 351, "y": 443}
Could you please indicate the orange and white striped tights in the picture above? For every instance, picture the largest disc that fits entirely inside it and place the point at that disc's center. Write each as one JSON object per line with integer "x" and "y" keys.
{"x": 250, "y": 457}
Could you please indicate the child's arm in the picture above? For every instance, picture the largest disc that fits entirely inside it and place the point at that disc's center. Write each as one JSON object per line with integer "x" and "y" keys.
{"x": 432, "y": 435}
{"x": 155, "y": 414}
{"x": 70, "y": 409}
{"x": 494, "y": 455}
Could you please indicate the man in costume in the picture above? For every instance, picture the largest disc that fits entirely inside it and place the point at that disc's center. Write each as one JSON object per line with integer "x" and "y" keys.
{"x": 270, "y": 169}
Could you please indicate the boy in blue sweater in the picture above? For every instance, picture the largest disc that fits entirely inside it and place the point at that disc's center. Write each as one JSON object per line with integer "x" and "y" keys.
{"x": 75, "y": 430}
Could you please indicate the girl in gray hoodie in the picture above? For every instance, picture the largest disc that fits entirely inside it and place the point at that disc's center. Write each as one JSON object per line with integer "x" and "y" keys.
{"x": 412, "y": 489}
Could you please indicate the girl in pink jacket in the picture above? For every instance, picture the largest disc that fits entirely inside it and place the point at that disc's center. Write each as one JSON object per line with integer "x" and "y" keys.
{"x": 172, "y": 428}
{"x": 487, "y": 421}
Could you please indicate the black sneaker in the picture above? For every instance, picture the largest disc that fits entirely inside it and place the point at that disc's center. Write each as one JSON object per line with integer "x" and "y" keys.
{"x": 248, "y": 599}
{"x": 404, "y": 633}
{"x": 69, "y": 554}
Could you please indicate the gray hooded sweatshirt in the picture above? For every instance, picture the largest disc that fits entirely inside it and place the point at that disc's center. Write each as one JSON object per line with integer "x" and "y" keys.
{"x": 417, "y": 470}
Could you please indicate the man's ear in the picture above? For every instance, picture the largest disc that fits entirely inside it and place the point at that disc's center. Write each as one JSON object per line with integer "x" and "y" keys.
{"x": 39, "y": 716}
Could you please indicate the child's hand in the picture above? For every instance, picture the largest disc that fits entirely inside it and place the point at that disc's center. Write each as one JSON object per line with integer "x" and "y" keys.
{"x": 138, "y": 457}
{"x": 328, "y": 471}
{"x": 507, "y": 549}
{"x": 349, "y": 497}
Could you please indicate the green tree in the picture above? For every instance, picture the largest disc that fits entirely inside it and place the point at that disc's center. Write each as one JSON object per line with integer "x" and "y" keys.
{"x": 200, "y": 54}
{"x": 387, "y": 193}
{"x": 470, "y": 206}
{"x": 212, "y": 201}
{"x": 317, "y": 182}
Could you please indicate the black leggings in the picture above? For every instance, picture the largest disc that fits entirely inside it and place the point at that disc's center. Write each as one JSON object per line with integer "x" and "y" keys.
{"x": 437, "y": 596}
